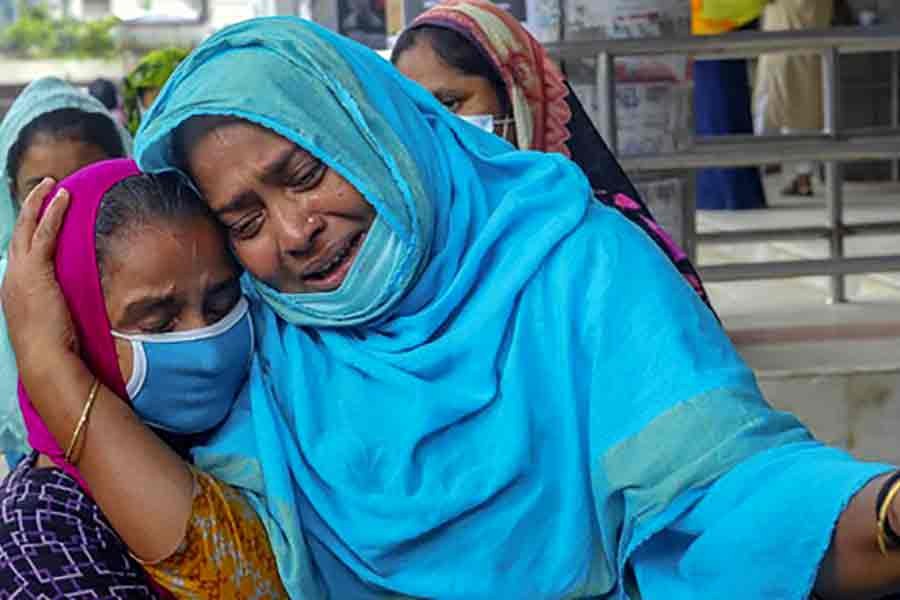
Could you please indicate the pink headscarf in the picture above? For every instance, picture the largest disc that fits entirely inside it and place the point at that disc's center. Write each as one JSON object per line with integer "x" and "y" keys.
{"x": 79, "y": 278}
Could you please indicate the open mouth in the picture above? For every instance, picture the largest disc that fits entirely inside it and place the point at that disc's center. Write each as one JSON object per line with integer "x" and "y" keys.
{"x": 330, "y": 274}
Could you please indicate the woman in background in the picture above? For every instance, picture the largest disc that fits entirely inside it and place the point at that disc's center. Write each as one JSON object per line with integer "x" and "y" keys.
{"x": 788, "y": 92}
{"x": 722, "y": 107}
{"x": 484, "y": 66}
{"x": 107, "y": 93}
{"x": 144, "y": 82}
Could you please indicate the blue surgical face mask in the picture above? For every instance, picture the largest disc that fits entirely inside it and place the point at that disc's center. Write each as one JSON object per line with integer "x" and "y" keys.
{"x": 362, "y": 296}
{"x": 187, "y": 381}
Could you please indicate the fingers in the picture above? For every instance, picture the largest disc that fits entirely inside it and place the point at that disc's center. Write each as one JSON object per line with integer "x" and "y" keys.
{"x": 44, "y": 242}
{"x": 26, "y": 224}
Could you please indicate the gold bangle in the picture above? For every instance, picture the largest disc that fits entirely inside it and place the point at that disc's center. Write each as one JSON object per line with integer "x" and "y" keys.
{"x": 883, "y": 515}
{"x": 79, "y": 428}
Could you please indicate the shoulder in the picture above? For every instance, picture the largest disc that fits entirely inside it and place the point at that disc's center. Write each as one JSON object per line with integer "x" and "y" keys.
{"x": 612, "y": 249}
{"x": 608, "y": 267}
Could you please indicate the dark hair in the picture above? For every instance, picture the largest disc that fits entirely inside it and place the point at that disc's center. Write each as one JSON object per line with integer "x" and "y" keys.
{"x": 141, "y": 200}
{"x": 105, "y": 91}
{"x": 457, "y": 51}
{"x": 65, "y": 124}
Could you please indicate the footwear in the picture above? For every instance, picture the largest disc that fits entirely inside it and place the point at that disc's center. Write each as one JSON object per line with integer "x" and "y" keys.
{"x": 800, "y": 186}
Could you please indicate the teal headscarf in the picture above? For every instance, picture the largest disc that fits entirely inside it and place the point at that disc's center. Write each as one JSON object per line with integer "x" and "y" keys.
{"x": 39, "y": 98}
{"x": 546, "y": 410}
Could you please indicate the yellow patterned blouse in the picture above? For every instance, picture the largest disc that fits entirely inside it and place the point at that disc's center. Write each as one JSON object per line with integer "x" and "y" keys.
{"x": 225, "y": 553}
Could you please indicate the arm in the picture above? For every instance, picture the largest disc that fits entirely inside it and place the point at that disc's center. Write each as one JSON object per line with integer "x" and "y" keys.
{"x": 769, "y": 511}
{"x": 131, "y": 473}
{"x": 854, "y": 566}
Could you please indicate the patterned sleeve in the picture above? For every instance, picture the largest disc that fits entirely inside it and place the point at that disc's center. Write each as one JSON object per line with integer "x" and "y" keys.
{"x": 225, "y": 552}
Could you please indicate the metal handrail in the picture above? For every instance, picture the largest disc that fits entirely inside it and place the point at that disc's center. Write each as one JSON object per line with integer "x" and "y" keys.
{"x": 740, "y": 44}
{"x": 832, "y": 145}
{"x": 801, "y": 268}
{"x": 844, "y": 148}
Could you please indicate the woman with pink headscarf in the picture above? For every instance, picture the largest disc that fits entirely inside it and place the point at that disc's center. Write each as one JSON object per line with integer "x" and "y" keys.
{"x": 107, "y": 504}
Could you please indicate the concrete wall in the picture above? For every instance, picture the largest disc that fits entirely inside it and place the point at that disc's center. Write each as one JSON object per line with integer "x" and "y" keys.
{"x": 858, "y": 411}
{"x": 847, "y": 391}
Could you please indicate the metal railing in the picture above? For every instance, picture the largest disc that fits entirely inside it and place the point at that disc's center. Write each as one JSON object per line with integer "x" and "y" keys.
{"x": 832, "y": 146}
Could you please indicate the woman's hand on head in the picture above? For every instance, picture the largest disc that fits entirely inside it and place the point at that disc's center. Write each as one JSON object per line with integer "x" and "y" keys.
{"x": 37, "y": 318}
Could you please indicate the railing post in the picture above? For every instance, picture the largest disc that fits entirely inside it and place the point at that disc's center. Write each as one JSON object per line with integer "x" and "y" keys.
{"x": 689, "y": 215}
{"x": 895, "y": 106}
{"x": 831, "y": 94}
{"x": 606, "y": 99}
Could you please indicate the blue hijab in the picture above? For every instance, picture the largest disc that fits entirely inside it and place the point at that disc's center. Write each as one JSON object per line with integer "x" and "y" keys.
{"x": 534, "y": 405}
{"x": 42, "y": 96}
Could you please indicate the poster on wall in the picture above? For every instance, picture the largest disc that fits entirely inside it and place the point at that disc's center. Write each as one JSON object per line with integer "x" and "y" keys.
{"x": 413, "y": 8}
{"x": 629, "y": 18}
{"x": 400, "y": 13}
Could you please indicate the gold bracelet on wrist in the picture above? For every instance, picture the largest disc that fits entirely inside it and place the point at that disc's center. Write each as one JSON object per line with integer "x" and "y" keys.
{"x": 79, "y": 428}
{"x": 884, "y": 532}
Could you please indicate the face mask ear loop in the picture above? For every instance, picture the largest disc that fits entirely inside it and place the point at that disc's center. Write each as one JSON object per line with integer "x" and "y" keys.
{"x": 506, "y": 122}
{"x": 138, "y": 370}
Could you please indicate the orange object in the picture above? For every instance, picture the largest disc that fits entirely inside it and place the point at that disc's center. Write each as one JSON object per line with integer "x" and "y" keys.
{"x": 703, "y": 26}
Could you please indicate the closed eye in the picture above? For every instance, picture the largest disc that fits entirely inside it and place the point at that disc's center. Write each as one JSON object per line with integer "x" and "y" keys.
{"x": 161, "y": 318}
{"x": 221, "y": 299}
{"x": 308, "y": 176}
{"x": 151, "y": 314}
{"x": 246, "y": 227}
{"x": 160, "y": 325}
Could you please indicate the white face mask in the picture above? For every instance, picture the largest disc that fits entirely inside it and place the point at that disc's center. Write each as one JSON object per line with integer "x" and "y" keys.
{"x": 483, "y": 122}
{"x": 489, "y": 123}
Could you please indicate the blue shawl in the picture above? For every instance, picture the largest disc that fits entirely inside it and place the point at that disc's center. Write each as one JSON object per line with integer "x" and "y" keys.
{"x": 548, "y": 411}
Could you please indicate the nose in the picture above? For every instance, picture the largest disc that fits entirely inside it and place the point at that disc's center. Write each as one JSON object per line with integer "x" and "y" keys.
{"x": 296, "y": 231}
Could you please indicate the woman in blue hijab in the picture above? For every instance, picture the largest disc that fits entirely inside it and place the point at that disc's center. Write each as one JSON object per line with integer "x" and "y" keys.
{"x": 471, "y": 381}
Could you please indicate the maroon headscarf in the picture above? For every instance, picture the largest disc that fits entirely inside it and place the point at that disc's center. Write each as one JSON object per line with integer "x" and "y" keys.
{"x": 536, "y": 86}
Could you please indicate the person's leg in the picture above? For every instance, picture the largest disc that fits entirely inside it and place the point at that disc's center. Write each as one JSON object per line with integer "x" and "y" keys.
{"x": 55, "y": 542}
{"x": 801, "y": 183}
{"x": 796, "y": 80}
{"x": 722, "y": 106}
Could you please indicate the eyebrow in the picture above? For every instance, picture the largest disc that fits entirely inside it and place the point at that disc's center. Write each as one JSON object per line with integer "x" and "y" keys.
{"x": 147, "y": 305}
{"x": 242, "y": 199}
{"x": 446, "y": 91}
